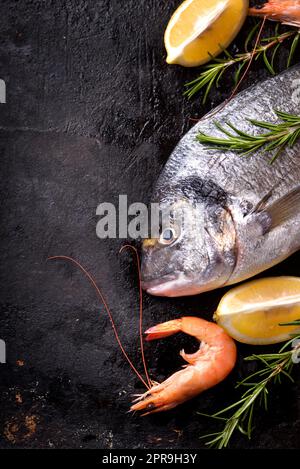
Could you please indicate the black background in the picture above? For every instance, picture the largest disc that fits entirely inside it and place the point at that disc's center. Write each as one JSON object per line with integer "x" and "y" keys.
{"x": 93, "y": 111}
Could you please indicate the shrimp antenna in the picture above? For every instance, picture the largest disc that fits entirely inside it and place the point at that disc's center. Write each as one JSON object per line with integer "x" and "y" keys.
{"x": 237, "y": 86}
{"x": 100, "y": 295}
{"x": 129, "y": 246}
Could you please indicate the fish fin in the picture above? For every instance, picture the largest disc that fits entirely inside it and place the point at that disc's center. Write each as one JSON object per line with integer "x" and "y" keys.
{"x": 280, "y": 211}
{"x": 261, "y": 206}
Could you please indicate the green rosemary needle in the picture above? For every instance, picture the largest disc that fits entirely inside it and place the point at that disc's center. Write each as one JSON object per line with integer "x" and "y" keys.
{"x": 278, "y": 136}
{"x": 241, "y": 413}
{"x": 212, "y": 73}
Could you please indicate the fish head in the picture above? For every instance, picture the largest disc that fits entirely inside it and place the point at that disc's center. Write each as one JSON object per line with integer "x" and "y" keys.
{"x": 195, "y": 249}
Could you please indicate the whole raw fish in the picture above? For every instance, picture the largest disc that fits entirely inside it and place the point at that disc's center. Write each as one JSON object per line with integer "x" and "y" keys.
{"x": 243, "y": 212}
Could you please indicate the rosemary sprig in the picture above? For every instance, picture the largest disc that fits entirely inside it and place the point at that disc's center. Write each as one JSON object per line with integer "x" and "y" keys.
{"x": 212, "y": 73}
{"x": 274, "y": 367}
{"x": 285, "y": 133}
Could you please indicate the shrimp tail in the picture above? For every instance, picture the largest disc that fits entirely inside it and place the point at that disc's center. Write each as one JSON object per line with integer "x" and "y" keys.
{"x": 285, "y": 11}
{"x": 164, "y": 329}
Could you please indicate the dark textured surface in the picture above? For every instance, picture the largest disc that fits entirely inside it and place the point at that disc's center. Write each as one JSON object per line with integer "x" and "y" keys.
{"x": 93, "y": 111}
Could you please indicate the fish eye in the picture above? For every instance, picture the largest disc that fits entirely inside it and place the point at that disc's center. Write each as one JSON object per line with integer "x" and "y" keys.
{"x": 168, "y": 236}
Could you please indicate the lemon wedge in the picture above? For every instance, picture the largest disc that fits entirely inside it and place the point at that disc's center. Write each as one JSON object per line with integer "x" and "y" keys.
{"x": 200, "y": 29}
{"x": 252, "y": 312}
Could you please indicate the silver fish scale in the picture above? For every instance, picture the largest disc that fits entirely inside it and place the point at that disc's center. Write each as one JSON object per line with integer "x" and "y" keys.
{"x": 250, "y": 176}
{"x": 245, "y": 179}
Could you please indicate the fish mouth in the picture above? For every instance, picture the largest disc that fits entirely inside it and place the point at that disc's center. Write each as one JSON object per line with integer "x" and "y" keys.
{"x": 171, "y": 285}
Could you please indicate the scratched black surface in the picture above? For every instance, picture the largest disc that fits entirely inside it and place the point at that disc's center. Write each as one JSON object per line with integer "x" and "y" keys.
{"x": 93, "y": 111}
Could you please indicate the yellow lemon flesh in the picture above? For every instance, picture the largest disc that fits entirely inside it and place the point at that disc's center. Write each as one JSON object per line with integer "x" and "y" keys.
{"x": 252, "y": 312}
{"x": 200, "y": 29}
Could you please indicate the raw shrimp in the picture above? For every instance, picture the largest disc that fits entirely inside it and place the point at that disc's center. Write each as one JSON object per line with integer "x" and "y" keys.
{"x": 207, "y": 367}
{"x": 211, "y": 364}
{"x": 286, "y": 11}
